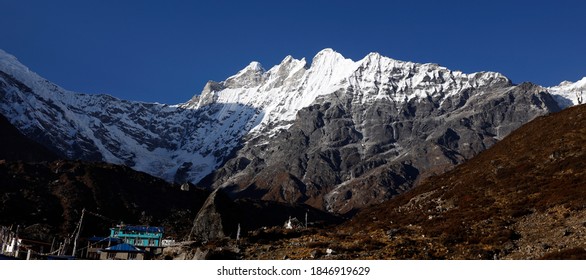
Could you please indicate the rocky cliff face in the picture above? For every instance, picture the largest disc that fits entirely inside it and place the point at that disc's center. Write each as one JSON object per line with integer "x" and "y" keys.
{"x": 342, "y": 155}
{"x": 520, "y": 199}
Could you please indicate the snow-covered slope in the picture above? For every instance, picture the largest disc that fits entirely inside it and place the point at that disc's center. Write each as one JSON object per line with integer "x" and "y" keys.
{"x": 282, "y": 91}
{"x": 569, "y": 94}
{"x": 166, "y": 141}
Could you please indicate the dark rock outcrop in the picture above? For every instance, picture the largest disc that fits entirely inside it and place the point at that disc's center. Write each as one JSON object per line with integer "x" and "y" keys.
{"x": 209, "y": 222}
{"x": 221, "y": 217}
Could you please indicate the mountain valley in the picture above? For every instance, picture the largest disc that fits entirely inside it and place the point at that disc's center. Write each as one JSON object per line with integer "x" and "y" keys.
{"x": 372, "y": 159}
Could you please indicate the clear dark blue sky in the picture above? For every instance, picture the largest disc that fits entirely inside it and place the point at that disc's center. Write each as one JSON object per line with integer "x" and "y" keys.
{"x": 165, "y": 51}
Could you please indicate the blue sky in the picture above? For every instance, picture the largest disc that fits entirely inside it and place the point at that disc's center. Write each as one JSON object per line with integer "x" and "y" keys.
{"x": 165, "y": 51}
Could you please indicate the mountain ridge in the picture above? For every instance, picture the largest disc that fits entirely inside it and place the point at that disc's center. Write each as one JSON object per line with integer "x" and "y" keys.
{"x": 353, "y": 108}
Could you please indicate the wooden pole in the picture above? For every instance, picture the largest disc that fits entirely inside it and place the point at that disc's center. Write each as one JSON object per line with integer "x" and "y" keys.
{"x": 15, "y": 247}
{"x": 2, "y": 239}
{"x": 238, "y": 233}
{"x": 52, "y": 245}
{"x": 78, "y": 231}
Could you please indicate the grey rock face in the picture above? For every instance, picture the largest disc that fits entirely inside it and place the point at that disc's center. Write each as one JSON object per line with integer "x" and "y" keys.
{"x": 341, "y": 156}
{"x": 209, "y": 221}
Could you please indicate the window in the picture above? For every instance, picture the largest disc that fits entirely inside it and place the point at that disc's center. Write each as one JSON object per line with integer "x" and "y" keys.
{"x": 111, "y": 255}
{"x": 132, "y": 256}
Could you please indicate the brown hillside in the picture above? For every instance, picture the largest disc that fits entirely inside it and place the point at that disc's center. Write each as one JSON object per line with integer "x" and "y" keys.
{"x": 524, "y": 198}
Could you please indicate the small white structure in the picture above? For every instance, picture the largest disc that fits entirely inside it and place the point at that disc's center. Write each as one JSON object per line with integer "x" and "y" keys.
{"x": 167, "y": 242}
{"x": 293, "y": 223}
{"x": 13, "y": 246}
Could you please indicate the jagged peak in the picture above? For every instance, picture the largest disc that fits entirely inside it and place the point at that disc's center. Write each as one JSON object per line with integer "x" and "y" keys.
{"x": 254, "y": 66}
{"x": 248, "y": 77}
{"x": 212, "y": 86}
{"x": 494, "y": 75}
{"x": 570, "y": 84}
{"x": 288, "y": 65}
{"x": 326, "y": 51}
{"x": 327, "y": 55}
{"x": 378, "y": 58}
{"x": 288, "y": 60}
{"x": 374, "y": 55}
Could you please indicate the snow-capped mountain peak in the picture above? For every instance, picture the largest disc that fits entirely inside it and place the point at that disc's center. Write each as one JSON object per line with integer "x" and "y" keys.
{"x": 190, "y": 140}
{"x": 327, "y": 57}
{"x": 292, "y": 85}
{"x": 248, "y": 77}
{"x": 569, "y": 93}
{"x": 254, "y": 66}
{"x": 282, "y": 90}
